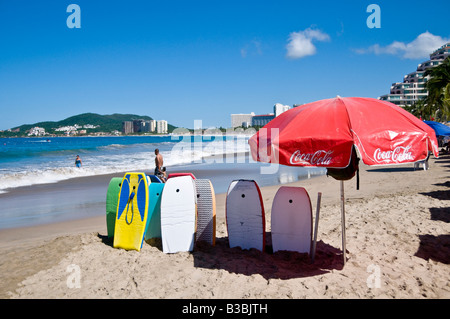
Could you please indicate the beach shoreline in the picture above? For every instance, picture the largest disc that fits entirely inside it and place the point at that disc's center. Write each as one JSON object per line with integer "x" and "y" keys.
{"x": 84, "y": 196}
{"x": 397, "y": 221}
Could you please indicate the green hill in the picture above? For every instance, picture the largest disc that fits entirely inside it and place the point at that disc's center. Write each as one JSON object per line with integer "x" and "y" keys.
{"x": 105, "y": 123}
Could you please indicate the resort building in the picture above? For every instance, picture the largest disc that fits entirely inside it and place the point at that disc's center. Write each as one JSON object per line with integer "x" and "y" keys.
{"x": 127, "y": 127}
{"x": 161, "y": 127}
{"x": 37, "y": 131}
{"x": 152, "y": 125}
{"x": 143, "y": 126}
{"x": 413, "y": 88}
{"x": 261, "y": 120}
{"x": 279, "y": 108}
{"x": 244, "y": 120}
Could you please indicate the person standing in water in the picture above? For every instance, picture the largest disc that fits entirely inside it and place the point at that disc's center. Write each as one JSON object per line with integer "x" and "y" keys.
{"x": 78, "y": 161}
{"x": 159, "y": 170}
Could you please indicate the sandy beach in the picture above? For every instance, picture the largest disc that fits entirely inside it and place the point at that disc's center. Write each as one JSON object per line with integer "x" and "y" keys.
{"x": 398, "y": 246}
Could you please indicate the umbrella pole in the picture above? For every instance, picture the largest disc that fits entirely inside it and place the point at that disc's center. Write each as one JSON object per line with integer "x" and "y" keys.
{"x": 343, "y": 221}
{"x": 316, "y": 227}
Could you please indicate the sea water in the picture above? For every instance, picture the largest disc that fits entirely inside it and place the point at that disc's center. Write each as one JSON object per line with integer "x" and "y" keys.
{"x": 30, "y": 161}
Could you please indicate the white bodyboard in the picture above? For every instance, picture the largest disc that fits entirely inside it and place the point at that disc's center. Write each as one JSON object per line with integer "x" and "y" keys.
{"x": 245, "y": 215}
{"x": 291, "y": 220}
{"x": 178, "y": 210}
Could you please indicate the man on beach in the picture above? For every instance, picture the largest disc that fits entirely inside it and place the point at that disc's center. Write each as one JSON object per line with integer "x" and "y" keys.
{"x": 159, "y": 170}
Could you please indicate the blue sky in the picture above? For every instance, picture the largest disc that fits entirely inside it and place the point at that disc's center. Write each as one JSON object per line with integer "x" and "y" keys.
{"x": 203, "y": 60}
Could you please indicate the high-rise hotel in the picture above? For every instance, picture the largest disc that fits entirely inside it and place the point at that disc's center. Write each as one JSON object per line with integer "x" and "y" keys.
{"x": 143, "y": 126}
{"x": 251, "y": 119}
{"x": 413, "y": 87}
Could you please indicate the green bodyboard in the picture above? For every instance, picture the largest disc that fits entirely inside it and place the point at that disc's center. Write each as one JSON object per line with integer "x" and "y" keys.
{"x": 112, "y": 198}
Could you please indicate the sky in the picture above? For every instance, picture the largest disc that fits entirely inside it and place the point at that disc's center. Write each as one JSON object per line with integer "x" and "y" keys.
{"x": 185, "y": 61}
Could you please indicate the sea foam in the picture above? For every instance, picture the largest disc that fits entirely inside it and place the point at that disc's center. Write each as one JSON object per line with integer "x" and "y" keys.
{"x": 54, "y": 165}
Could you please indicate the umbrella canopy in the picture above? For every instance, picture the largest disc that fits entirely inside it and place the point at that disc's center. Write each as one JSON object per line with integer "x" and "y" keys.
{"x": 323, "y": 133}
{"x": 439, "y": 128}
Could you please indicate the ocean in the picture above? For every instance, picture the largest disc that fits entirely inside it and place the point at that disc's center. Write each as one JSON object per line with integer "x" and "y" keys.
{"x": 30, "y": 161}
{"x": 26, "y": 162}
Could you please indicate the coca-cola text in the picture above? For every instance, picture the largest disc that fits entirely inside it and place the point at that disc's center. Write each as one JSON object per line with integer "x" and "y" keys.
{"x": 398, "y": 155}
{"x": 319, "y": 158}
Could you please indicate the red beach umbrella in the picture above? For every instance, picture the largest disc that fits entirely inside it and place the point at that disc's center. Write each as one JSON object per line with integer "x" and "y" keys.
{"x": 324, "y": 133}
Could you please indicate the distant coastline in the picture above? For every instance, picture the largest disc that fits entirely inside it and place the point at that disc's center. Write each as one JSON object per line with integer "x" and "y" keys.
{"x": 79, "y": 125}
{"x": 130, "y": 135}
{"x": 88, "y": 135}
{"x": 96, "y": 125}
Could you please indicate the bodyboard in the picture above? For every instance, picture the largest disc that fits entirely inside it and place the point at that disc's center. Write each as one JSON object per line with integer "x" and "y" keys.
{"x": 291, "y": 220}
{"x": 154, "y": 179}
{"x": 112, "y": 198}
{"x": 132, "y": 212}
{"x": 245, "y": 215}
{"x": 206, "y": 211}
{"x": 153, "y": 228}
{"x": 178, "y": 213}
{"x": 172, "y": 175}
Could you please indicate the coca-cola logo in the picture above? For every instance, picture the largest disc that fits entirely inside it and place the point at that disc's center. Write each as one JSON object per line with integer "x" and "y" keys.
{"x": 398, "y": 155}
{"x": 319, "y": 158}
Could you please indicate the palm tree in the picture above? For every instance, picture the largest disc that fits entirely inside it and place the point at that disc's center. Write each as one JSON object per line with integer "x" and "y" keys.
{"x": 439, "y": 88}
{"x": 416, "y": 109}
{"x": 446, "y": 100}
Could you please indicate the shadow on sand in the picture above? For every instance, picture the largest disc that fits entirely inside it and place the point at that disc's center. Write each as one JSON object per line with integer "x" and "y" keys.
{"x": 436, "y": 248}
{"x": 392, "y": 169}
{"x": 278, "y": 265}
{"x": 440, "y": 214}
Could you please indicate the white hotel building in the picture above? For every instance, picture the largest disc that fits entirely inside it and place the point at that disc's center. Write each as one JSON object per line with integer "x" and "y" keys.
{"x": 251, "y": 119}
{"x": 161, "y": 127}
{"x": 143, "y": 126}
{"x": 413, "y": 87}
{"x": 241, "y": 119}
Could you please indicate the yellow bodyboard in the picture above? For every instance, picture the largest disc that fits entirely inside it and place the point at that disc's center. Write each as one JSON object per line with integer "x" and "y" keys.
{"x": 132, "y": 211}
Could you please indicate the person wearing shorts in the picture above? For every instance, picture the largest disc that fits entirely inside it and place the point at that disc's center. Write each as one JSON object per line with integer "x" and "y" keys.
{"x": 159, "y": 169}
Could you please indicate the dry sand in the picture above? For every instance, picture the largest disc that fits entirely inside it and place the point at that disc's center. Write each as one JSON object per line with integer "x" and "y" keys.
{"x": 398, "y": 246}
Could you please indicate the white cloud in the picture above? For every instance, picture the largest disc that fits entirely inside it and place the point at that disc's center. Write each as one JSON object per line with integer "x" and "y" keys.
{"x": 420, "y": 47}
{"x": 300, "y": 43}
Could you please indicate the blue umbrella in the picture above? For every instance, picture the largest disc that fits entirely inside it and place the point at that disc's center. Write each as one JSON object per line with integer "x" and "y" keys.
{"x": 439, "y": 129}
